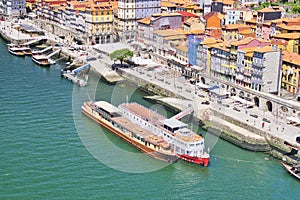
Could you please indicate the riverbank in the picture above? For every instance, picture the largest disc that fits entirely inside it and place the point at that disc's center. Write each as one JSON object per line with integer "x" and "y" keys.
{"x": 222, "y": 125}
{"x": 214, "y": 120}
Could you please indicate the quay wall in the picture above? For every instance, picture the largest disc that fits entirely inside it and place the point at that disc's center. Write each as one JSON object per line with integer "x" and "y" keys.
{"x": 273, "y": 145}
{"x": 225, "y": 132}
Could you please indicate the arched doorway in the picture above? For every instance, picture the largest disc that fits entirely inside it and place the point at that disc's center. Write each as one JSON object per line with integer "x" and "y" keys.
{"x": 203, "y": 80}
{"x": 256, "y": 101}
{"x": 269, "y": 106}
{"x": 232, "y": 92}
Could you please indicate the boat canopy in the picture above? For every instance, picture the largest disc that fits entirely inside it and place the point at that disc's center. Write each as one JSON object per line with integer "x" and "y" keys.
{"x": 79, "y": 69}
{"x": 109, "y": 108}
{"x": 173, "y": 124}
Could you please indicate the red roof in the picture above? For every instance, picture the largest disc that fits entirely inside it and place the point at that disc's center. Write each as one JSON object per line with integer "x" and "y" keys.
{"x": 186, "y": 14}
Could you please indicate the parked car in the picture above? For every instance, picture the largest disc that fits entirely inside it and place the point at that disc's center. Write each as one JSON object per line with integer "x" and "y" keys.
{"x": 254, "y": 115}
{"x": 226, "y": 105}
{"x": 266, "y": 120}
{"x": 58, "y": 45}
{"x": 205, "y": 102}
{"x": 298, "y": 139}
{"x": 72, "y": 48}
{"x": 91, "y": 58}
{"x": 236, "y": 109}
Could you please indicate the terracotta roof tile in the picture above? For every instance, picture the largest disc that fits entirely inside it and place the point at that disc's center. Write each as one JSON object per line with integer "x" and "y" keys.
{"x": 264, "y": 49}
{"x": 268, "y": 10}
{"x": 293, "y": 58}
{"x": 146, "y": 20}
{"x": 291, "y": 36}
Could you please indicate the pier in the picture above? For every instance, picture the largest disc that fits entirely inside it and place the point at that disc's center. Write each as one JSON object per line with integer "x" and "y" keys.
{"x": 75, "y": 74}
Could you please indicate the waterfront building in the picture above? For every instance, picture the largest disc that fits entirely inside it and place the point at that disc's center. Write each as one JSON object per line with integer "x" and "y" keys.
{"x": 170, "y": 6}
{"x": 291, "y": 72}
{"x": 249, "y": 3}
{"x": 251, "y": 23}
{"x": 232, "y": 31}
{"x": 226, "y": 59}
{"x": 273, "y": 28}
{"x": 182, "y": 53}
{"x": 161, "y": 21}
{"x": 265, "y": 15}
{"x": 204, "y": 53}
{"x": 266, "y": 70}
{"x": 222, "y": 6}
{"x": 193, "y": 41}
{"x": 232, "y": 16}
{"x": 130, "y": 11}
{"x": 193, "y": 8}
{"x": 242, "y": 54}
{"x": 288, "y": 25}
{"x": 194, "y": 25}
{"x": 99, "y": 23}
{"x": 160, "y": 38}
{"x": 243, "y": 72}
{"x": 186, "y": 15}
{"x": 207, "y": 7}
{"x": 287, "y": 42}
{"x": 178, "y": 62}
{"x": 222, "y": 65}
{"x": 13, "y": 7}
{"x": 31, "y": 4}
{"x": 213, "y": 23}
{"x": 238, "y": 15}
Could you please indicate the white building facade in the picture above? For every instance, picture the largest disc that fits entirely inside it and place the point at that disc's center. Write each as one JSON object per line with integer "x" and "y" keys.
{"x": 13, "y": 7}
{"x": 129, "y": 11}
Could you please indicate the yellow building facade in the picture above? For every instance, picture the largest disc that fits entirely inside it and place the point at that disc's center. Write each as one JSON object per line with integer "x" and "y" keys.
{"x": 99, "y": 22}
{"x": 290, "y": 72}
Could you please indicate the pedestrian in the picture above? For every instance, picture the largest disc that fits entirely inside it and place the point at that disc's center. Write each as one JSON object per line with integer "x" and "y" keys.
{"x": 263, "y": 125}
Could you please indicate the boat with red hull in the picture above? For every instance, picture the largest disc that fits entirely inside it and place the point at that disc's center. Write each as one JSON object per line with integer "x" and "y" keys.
{"x": 159, "y": 137}
{"x": 109, "y": 117}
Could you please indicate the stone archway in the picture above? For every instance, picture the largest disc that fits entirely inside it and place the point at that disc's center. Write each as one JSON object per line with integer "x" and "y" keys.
{"x": 256, "y": 101}
{"x": 232, "y": 92}
{"x": 269, "y": 106}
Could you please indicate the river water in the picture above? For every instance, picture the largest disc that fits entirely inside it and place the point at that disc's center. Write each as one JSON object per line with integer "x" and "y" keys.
{"x": 50, "y": 150}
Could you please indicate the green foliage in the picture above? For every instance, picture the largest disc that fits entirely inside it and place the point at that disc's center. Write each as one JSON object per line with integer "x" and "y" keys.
{"x": 121, "y": 55}
{"x": 296, "y": 9}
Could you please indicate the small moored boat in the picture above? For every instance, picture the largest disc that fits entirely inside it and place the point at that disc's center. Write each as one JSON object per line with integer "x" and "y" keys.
{"x": 293, "y": 170}
{"x": 15, "y": 50}
{"x": 41, "y": 60}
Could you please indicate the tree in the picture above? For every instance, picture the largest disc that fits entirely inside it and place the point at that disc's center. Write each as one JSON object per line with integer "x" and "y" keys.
{"x": 121, "y": 55}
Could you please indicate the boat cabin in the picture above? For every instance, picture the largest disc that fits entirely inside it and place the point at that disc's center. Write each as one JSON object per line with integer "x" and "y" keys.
{"x": 173, "y": 124}
{"x": 106, "y": 109}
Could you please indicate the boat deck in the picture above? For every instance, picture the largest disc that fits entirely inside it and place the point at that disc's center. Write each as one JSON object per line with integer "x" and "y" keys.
{"x": 143, "y": 112}
{"x": 143, "y": 133}
{"x": 74, "y": 79}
